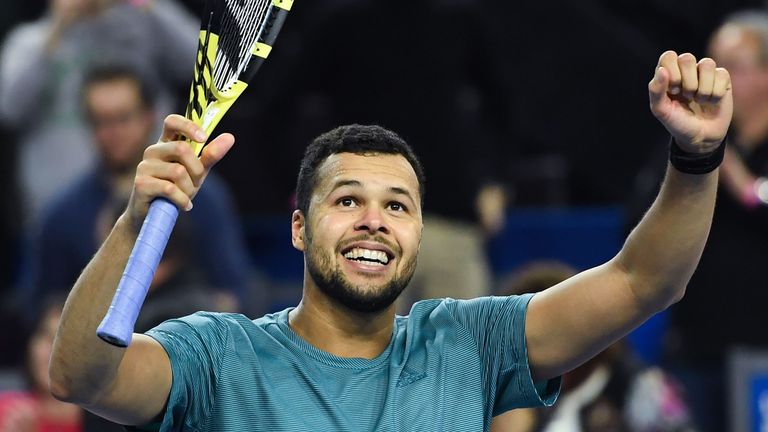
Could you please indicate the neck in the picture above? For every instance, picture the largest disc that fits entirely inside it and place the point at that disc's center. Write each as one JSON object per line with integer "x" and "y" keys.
{"x": 335, "y": 329}
{"x": 752, "y": 129}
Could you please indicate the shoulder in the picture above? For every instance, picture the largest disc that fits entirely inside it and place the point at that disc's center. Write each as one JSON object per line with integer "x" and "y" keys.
{"x": 474, "y": 315}
{"x": 28, "y": 33}
{"x": 213, "y": 325}
{"x": 205, "y": 321}
{"x": 482, "y": 319}
{"x": 479, "y": 307}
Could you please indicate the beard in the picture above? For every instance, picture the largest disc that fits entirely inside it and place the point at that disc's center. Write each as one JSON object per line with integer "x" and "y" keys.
{"x": 364, "y": 299}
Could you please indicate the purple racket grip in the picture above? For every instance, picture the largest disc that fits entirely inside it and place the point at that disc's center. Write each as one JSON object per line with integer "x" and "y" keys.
{"x": 117, "y": 325}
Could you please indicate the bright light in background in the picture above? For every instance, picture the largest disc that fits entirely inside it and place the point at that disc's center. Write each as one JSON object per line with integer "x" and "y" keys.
{"x": 761, "y": 189}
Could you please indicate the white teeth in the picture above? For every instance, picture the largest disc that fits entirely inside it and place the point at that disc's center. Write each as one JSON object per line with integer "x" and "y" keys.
{"x": 383, "y": 257}
{"x": 368, "y": 254}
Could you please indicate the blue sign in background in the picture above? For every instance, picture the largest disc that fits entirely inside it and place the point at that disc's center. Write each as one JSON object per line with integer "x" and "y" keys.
{"x": 759, "y": 403}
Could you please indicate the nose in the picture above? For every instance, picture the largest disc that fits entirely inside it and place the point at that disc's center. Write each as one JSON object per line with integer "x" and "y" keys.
{"x": 372, "y": 220}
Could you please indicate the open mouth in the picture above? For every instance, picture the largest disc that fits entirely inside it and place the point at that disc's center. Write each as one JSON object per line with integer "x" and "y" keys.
{"x": 376, "y": 257}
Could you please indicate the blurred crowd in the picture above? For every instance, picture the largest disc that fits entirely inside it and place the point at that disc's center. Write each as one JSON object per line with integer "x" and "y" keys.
{"x": 508, "y": 105}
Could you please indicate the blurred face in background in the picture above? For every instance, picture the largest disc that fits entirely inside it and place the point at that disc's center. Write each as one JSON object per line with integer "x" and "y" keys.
{"x": 120, "y": 121}
{"x": 741, "y": 52}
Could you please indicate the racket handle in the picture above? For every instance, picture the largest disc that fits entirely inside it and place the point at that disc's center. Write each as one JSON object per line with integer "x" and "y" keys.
{"x": 117, "y": 325}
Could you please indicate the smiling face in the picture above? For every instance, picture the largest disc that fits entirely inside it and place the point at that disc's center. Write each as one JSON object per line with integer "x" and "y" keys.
{"x": 362, "y": 234}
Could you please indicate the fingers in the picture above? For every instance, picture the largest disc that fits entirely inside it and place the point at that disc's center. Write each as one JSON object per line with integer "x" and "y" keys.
{"x": 721, "y": 86}
{"x": 168, "y": 171}
{"x": 692, "y": 99}
{"x": 176, "y": 126}
{"x": 689, "y": 75}
{"x": 685, "y": 74}
{"x": 706, "y": 72}
{"x": 681, "y": 75}
{"x": 659, "y": 87}
{"x": 216, "y": 150}
{"x": 171, "y": 170}
{"x": 148, "y": 186}
{"x": 179, "y": 152}
{"x": 668, "y": 61}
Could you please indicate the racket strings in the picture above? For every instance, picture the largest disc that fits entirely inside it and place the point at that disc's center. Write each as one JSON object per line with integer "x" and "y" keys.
{"x": 241, "y": 27}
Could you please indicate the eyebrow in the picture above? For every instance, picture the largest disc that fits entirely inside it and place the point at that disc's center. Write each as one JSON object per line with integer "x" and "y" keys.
{"x": 355, "y": 183}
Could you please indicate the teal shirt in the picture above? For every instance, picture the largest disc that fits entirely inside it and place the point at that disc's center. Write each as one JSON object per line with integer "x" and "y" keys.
{"x": 450, "y": 365}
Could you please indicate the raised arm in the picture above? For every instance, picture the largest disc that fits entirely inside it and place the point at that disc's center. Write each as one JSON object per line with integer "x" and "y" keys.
{"x": 127, "y": 385}
{"x": 573, "y": 321}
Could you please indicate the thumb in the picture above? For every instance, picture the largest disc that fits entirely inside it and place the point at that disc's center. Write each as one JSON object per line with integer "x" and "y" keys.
{"x": 658, "y": 87}
{"x": 216, "y": 150}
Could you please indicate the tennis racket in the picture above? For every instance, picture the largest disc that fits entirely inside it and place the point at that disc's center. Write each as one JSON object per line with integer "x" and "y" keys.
{"x": 236, "y": 37}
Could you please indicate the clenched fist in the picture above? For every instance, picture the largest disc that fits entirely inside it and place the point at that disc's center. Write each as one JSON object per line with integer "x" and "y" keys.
{"x": 693, "y": 100}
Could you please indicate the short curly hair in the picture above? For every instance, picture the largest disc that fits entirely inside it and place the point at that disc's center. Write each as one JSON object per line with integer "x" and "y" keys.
{"x": 357, "y": 139}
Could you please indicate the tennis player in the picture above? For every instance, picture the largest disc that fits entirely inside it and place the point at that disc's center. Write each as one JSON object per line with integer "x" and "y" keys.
{"x": 341, "y": 360}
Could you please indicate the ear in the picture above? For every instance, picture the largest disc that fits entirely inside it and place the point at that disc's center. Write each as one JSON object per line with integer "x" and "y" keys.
{"x": 298, "y": 223}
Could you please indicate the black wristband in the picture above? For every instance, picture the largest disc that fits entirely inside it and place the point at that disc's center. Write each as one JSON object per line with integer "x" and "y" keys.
{"x": 695, "y": 163}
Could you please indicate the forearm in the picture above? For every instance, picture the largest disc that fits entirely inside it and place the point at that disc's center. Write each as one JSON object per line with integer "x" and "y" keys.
{"x": 127, "y": 385}
{"x": 82, "y": 365}
{"x": 662, "y": 252}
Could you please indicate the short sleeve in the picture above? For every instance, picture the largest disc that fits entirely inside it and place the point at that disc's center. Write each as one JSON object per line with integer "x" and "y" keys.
{"x": 196, "y": 345}
{"x": 498, "y": 326}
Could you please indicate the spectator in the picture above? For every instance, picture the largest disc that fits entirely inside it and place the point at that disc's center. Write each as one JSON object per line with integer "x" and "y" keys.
{"x": 611, "y": 392}
{"x": 42, "y": 66}
{"x": 35, "y": 409}
{"x": 121, "y": 117}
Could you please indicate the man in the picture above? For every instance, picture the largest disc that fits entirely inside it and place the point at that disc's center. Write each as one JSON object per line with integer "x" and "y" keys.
{"x": 42, "y": 66}
{"x": 120, "y": 110}
{"x": 342, "y": 360}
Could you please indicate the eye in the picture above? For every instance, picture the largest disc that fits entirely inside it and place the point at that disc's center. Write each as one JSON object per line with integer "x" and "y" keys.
{"x": 347, "y": 202}
{"x": 398, "y": 207}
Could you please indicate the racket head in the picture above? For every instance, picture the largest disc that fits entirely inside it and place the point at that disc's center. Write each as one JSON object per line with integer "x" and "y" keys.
{"x": 236, "y": 37}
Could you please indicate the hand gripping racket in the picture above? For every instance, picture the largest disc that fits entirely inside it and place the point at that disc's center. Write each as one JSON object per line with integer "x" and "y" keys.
{"x": 236, "y": 36}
